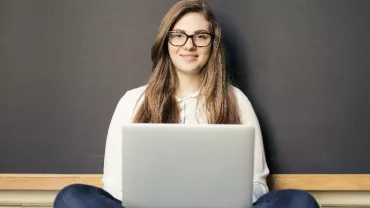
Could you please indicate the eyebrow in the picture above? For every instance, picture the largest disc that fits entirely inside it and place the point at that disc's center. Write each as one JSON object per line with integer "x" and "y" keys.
{"x": 195, "y": 32}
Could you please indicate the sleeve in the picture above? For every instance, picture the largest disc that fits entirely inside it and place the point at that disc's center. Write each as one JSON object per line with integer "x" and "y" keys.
{"x": 112, "y": 177}
{"x": 261, "y": 171}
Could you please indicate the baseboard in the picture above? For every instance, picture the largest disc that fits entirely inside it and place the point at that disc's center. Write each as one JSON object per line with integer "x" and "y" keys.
{"x": 42, "y": 182}
{"x": 307, "y": 182}
{"x": 320, "y": 182}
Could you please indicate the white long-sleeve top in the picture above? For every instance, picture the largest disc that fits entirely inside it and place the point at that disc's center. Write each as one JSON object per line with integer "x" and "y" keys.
{"x": 125, "y": 111}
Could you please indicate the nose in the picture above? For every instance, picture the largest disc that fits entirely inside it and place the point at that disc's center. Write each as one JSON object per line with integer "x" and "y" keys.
{"x": 189, "y": 45}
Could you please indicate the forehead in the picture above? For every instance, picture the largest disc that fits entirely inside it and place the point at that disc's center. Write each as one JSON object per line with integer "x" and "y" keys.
{"x": 192, "y": 22}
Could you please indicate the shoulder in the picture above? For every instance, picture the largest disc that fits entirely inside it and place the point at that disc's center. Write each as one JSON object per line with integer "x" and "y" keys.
{"x": 244, "y": 105}
{"x": 240, "y": 96}
{"x": 134, "y": 94}
{"x": 128, "y": 103}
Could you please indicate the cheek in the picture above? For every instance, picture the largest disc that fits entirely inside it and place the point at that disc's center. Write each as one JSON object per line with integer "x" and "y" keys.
{"x": 206, "y": 52}
{"x": 172, "y": 50}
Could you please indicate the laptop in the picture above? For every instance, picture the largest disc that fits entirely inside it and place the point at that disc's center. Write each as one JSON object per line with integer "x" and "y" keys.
{"x": 187, "y": 166}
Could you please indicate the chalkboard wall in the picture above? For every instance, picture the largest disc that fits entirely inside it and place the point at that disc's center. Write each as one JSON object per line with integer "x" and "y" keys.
{"x": 65, "y": 64}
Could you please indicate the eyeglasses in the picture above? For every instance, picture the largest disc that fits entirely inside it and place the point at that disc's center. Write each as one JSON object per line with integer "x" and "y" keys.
{"x": 202, "y": 39}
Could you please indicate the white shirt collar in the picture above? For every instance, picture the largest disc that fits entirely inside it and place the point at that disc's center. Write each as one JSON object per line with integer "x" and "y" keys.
{"x": 196, "y": 94}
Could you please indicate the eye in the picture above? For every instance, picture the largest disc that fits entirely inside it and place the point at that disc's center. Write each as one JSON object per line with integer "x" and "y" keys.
{"x": 177, "y": 35}
{"x": 202, "y": 36}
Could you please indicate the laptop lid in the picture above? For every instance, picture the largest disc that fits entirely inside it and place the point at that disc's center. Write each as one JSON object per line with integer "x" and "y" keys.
{"x": 178, "y": 166}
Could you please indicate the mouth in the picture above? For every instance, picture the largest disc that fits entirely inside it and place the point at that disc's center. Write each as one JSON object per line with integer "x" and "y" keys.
{"x": 189, "y": 57}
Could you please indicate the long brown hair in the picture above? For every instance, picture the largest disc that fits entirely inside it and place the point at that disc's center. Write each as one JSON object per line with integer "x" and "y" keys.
{"x": 159, "y": 104}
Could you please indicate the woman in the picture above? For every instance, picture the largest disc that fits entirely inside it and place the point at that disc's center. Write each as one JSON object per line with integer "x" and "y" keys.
{"x": 189, "y": 84}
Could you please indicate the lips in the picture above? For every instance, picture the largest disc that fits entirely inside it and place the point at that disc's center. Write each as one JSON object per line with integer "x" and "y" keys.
{"x": 189, "y": 57}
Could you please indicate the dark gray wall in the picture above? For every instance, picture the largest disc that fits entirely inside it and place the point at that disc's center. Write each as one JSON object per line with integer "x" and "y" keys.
{"x": 65, "y": 64}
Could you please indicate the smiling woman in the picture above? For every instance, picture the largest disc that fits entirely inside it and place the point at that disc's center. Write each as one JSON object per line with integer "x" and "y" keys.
{"x": 189, "y": 84}
{"x": 185, "y": 68}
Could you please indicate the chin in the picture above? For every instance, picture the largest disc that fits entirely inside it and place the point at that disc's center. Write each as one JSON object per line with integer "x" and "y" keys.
{"x": 189, "y": 70}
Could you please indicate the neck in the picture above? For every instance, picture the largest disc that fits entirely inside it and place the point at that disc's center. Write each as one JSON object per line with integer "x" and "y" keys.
{"x": 188, "y": 84}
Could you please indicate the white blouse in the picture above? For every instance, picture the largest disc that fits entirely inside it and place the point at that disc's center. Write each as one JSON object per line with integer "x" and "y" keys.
{"x": 127, "y": 108}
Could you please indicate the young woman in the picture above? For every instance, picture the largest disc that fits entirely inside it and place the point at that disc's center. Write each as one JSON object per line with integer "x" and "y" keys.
{"x": 189, "y": 85}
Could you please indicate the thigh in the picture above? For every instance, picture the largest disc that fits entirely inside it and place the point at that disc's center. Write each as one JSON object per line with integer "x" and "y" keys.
{"x": 81, "y": 196}
{"x": 286, "y": 199}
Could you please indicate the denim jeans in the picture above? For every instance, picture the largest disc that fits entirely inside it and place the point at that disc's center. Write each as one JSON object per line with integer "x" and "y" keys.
{"x": 85, "y": 196}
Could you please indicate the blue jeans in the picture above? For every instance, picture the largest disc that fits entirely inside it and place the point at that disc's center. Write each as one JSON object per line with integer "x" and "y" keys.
{"x": 85, "y": 196}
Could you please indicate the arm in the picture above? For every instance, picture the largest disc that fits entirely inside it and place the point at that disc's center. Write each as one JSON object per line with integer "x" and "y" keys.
{"x": 248, "y": 117}
{"x": 123, "y": 114}
{"x": 112, "y": 178}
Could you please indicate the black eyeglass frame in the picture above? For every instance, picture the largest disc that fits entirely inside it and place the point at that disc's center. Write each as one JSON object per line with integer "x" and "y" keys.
{"x": 189, "y": 36}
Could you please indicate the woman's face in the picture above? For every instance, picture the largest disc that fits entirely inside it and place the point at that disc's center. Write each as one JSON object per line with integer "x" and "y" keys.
{"x": 189, "y": 58}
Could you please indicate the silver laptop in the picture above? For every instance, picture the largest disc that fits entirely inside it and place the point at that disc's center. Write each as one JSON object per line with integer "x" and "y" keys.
{"x": 187, "y": 166}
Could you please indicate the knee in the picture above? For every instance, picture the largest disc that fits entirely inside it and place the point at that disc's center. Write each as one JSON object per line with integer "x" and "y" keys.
{"x": 300, "y": 196}
{"x": 74, "y": 190}
{"x": 71, "y": 195}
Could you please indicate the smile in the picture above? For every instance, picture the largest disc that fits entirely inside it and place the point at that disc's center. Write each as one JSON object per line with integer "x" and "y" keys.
{"x": 189, "y": 57}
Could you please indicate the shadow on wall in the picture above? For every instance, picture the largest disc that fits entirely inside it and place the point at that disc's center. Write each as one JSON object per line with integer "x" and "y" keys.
{"x": 238, "y": 67}
{"x": 235, "y": 46}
